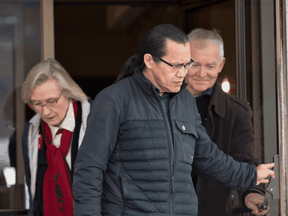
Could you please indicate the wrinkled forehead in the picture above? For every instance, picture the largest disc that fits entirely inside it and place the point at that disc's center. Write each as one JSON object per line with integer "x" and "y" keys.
{"x": 45, "y": 91}
{"x": 178, "y": 51}
{"x": 204, "y": 49}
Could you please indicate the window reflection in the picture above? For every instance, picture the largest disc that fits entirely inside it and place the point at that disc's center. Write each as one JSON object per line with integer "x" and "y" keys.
{"x": 19, "y": 51}
{"x": 10, "y": 176}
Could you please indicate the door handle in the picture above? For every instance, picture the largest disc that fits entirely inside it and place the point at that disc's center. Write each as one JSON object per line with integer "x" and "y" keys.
{"x": 273, "y": 188}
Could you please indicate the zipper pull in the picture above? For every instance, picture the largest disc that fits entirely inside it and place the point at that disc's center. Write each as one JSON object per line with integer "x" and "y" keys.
{"x": 172, "y": 184}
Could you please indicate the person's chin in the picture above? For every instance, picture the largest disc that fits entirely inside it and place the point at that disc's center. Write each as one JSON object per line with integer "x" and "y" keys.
{"x": 200, "y": 83}
{"x": 176, "y": 89}
{"x": 201, "y": 87}
{"x": 54, "y": 122}
{"x": 178, "y": 84}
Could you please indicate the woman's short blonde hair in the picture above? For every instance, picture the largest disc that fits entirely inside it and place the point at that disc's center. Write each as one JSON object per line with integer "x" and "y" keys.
{"x": 51, "y": 69}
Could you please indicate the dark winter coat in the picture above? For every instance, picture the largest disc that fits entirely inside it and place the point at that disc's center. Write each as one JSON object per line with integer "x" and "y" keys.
{"x": 127, "y": 164}
{"x": 229, "y": 125}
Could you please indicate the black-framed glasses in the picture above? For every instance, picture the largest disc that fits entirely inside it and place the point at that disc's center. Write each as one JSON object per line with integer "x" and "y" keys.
{"x": 177, "y": 66}
{"x": 50, "y": 103}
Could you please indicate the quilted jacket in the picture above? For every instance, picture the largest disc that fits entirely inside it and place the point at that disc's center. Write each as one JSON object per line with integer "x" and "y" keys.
{"x": 128, "y": 165}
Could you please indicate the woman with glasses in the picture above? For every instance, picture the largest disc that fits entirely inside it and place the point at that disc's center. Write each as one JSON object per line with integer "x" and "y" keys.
{"x": 52, "y": 137}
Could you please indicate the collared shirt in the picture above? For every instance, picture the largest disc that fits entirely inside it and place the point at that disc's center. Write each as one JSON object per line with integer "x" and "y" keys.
{"x": 202, "y": 102}
{"x": 67, "y": 124}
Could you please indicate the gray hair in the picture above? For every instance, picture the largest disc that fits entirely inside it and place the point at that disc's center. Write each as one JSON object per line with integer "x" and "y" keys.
{"x": 200, "y": 34}
{"x": 51, "y": 69}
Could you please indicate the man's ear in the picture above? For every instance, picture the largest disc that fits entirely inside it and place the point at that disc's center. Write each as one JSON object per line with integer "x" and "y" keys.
{"x": 148, "y": 60}
{"x": 222, "y": 64}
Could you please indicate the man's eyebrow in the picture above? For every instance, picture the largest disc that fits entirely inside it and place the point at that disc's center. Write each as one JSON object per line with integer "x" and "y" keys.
{"x": 181, "y": 63}
{"x": 176, "y": 63}
{"x": 212, "y": 63}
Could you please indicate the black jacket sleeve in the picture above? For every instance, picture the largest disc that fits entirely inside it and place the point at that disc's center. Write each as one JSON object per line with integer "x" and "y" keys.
{"x": 94, "y": 153}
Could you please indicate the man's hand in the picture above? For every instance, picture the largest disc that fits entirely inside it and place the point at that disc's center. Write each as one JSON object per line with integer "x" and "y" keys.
{"x": 252, "y": 201}
{"x": 264, "y": 170}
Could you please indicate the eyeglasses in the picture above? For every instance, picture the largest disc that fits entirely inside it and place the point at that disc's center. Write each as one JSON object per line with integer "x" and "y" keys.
{"x": 50, "y": 103}
{"x": 177, "y": 66}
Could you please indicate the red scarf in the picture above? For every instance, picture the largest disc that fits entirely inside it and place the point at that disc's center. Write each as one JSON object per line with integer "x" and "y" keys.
{"x": 57, "y": 192}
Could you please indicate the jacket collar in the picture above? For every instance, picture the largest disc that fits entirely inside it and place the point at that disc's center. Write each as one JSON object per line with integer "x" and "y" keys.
{"x": 35, "y": 120}
{"x": 146, "y": 85}
{"x": 218, "y": 100}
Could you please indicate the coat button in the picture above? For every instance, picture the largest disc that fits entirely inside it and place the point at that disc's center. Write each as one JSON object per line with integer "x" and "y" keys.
{"x": 183, "y": 127}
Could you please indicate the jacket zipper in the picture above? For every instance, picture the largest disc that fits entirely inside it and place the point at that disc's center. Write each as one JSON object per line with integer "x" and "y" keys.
{"x": 171, "y": 156}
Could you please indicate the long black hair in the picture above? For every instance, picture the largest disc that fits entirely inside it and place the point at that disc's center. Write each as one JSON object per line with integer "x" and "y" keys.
{"x": 154, "y": 43}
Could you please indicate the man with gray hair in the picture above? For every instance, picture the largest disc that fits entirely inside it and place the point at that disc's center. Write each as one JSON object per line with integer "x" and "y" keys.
{"x": 52, "y": 137}
{"x": 227, "y": 120}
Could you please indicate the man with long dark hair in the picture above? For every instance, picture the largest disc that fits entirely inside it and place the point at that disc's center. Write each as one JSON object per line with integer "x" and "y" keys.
{"x": 142, "y": 138}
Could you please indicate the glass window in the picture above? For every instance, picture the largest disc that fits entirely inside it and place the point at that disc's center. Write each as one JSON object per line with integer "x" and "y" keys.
{"x": 19, "y": 52}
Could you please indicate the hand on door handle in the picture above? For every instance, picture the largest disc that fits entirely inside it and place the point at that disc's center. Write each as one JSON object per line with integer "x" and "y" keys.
{"x": 253, "y": 201}
{"x": 263, "y": 171}
{"x": 273, "y": 186}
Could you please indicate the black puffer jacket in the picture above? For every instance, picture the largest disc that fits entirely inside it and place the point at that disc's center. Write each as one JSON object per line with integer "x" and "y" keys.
{"x": 128, "y": 166}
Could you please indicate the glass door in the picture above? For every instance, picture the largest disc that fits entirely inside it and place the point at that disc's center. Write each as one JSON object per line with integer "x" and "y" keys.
{"x": 254, "y": 34}
{"x": 26, "y": 37}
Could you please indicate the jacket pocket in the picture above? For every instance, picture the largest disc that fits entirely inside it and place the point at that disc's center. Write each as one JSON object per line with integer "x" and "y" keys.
{"x": 185, "y": 139}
